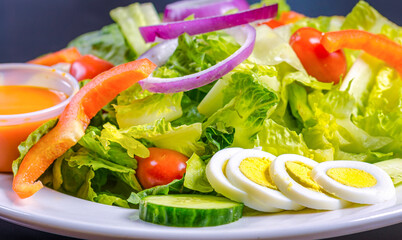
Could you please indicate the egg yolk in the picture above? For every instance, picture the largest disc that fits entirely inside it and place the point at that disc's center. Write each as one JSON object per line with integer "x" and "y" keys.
{"x": 257, "y": 170}
{"x": 352, "y": 177}
{"x": 300, "y": 172}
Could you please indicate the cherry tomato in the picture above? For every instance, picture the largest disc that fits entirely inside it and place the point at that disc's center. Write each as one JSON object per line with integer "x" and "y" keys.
{"x": 318, "y": 62}
{"x": 88, "y": 66}
{"x": 161, "y": 167}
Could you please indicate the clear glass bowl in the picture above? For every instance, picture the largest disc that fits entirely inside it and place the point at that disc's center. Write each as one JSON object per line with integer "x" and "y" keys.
{"x": 15, "y": 128}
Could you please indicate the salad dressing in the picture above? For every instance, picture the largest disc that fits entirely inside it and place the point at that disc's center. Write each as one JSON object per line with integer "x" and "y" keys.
{"x": 20, "y": 100}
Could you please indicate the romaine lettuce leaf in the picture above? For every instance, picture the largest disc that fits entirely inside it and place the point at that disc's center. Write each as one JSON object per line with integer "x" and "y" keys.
{"x": 270, "y": 49}
{"x": 277, "y": 139}
{"x": 130, "y": 18}
{"x": 174, "y": 187}
{"x": 184, "y": 139}
{"x": 195, "y": 177}
{"x": 365, "y": 17}
{"x": 33, "y": 138}
{"x": 321, "y": 23}
{"x": 111, "y": 134}
{"x": 107, "y": 43}
{"x": 394, "y": 169}
{"x": 196, "y": 53}
{"x": 282, "y": 5}
{"x": 249, "y": 101}
{"x": 136, "y": 107}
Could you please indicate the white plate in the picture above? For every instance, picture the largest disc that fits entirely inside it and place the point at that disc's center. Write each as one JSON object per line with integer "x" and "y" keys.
{"x": 58, "y": 213}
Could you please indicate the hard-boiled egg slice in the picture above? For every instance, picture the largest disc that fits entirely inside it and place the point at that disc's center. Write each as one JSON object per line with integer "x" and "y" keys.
{"x": 291, "y": 174}
{"x": 249, "y": 171}
{"x": 357, "y": 182}
{"x": 215, "y": 172}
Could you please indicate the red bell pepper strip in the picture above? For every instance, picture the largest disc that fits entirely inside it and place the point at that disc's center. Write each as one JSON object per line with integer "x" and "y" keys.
{"x": 285, "y": 18}
{"x": 74, "y": 120}
{"x": 67, "y": 55}
{"x": 290, "y": 17}
{"x": 378, "y": 46}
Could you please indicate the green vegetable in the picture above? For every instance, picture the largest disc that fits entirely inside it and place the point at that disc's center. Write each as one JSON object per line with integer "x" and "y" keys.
{"x": 322, "y": 23}
{"x": 33, "y": 138}
{"x": 136, "y": 107}
{"x": 282, "y": 5}
{"x": 130, "y": 18}
{"x": 195, "y": 177}
{"x": 189, "y": 210}
{"x": 246, "y": 103}
{"x": 271, "y": 49}
{"x": 394, "y": 169}
{"x": 107, "y": 43}
{"x": 183, "y": 139}
{"x": 196, "y": 53}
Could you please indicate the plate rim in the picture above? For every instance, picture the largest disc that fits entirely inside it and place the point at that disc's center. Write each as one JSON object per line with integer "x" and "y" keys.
{"x": 343, "y": 226}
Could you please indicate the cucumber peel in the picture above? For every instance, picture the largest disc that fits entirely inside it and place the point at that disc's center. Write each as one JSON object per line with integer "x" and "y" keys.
{"x": 189, "y": 210}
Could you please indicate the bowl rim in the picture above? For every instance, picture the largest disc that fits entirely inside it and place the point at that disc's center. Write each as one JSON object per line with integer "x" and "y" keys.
{"x": 71, "y": 81}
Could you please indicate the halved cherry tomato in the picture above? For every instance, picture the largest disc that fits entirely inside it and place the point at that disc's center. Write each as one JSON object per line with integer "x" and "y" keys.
{"x": 318, "y": 62}
{"x": 161, "y": 167}
{"x": 88, "y": 66}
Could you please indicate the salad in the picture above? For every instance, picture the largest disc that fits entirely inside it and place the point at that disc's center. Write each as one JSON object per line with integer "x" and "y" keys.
{"x": 213, "y": 107}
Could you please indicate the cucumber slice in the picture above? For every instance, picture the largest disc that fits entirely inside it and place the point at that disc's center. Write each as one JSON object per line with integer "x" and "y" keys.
{"x": 189, "y": 210}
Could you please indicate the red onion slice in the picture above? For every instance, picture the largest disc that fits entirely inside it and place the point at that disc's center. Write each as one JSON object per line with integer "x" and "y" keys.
{"x": 204, "y": 25}
{"x": 179, "y": 10}
{"x": 245, "y": 35}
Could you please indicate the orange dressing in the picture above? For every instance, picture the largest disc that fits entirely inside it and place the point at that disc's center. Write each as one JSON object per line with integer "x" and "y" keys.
{"x": 19, "y": 100}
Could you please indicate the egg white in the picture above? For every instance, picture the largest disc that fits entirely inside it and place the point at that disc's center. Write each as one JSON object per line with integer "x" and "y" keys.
{"x": 297, "y": 192}
{"x": 221, "y": 184}
{"x": 382, "y": 191}
{"x": 270, "y": 196}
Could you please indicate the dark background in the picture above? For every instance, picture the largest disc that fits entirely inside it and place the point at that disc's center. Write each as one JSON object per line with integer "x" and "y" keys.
{"x": 29, "y": 28}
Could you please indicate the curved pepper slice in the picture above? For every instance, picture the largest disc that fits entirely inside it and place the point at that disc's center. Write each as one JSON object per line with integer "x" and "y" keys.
{"x": 74, "y": 120}
{"x": 378, "y": 46}
{"x": 67, "y": 55}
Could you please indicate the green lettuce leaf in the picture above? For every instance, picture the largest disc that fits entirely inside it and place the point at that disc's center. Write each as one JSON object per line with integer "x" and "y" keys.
{"x": 130, "y": 18}
{"x": 365, "y": 17}
{"x": 277, "y": 139}
{"x": 136, "y": 107}
{"x": 174, "y": 187}
{"x": 250, "y": 101}
{"x": 195, "y": 177}
{"x": 196, "y": 53}
{"x": 282, "y": 5}
{"x": 184, "y": 139}
{"x": 321, "y": 23}
{"x": 107, "y": 43}
{"x": 271, "y": 49}
{"x": 33, "y": 138}
{"x": 394, "y": 169}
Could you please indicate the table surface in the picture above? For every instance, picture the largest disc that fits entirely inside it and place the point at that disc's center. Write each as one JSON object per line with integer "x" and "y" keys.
{"x": 13, "y": 231}
{"x": 52, "y": 29}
